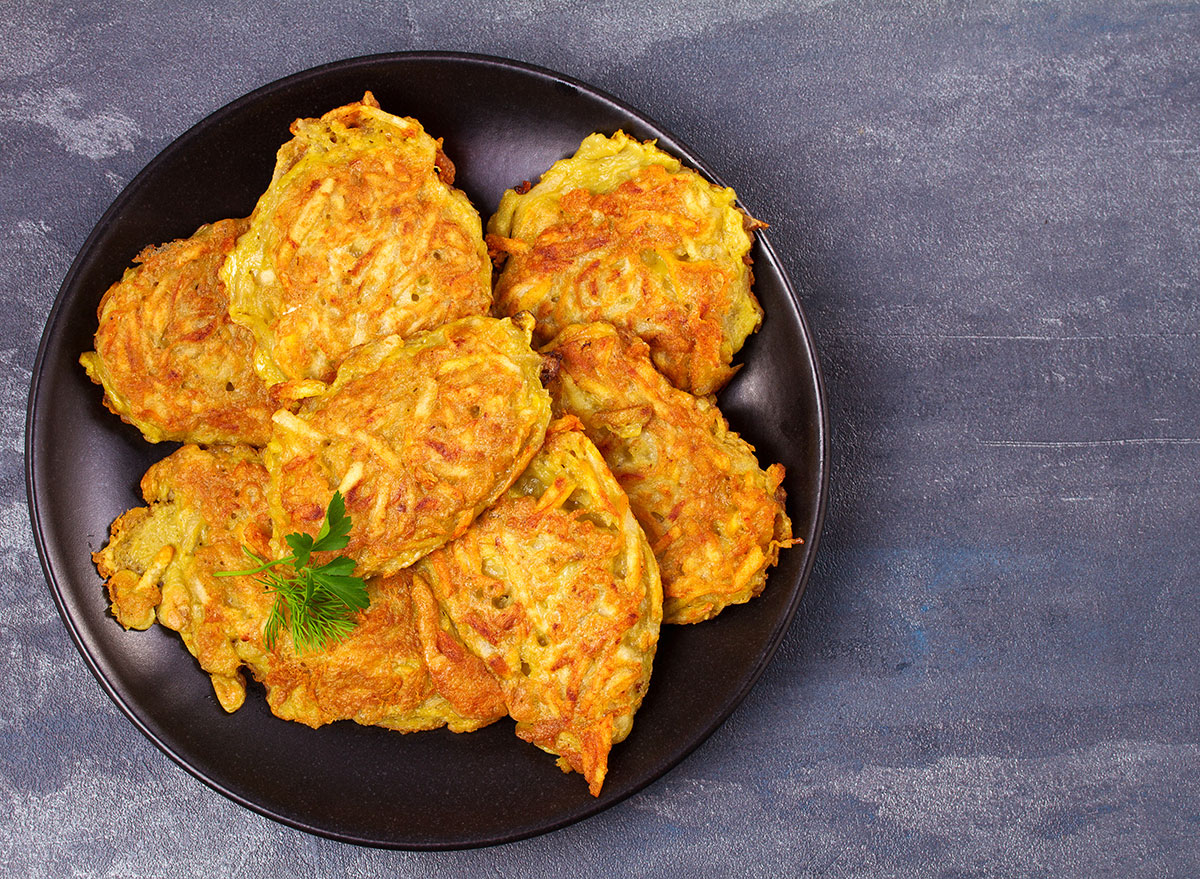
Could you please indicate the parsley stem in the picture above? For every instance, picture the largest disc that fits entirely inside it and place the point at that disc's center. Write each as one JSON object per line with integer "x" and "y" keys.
{"x": 258, "y": 570}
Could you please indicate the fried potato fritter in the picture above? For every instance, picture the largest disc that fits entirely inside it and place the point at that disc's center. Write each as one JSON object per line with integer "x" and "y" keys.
{"x": 419, "y": 436}
{"x": 716, "y": 520}
{"x": 557, "y": 589}
{"x": 360, "y": 235}
{"x": 170, "y": 360}
{"x": 204, "y": 505}
{"x": 401, "y": 667}
{"x": 621, "y": 232}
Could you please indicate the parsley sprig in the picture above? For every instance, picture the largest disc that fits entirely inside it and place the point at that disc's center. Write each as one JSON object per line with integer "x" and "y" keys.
{"x": 316, "y": 603}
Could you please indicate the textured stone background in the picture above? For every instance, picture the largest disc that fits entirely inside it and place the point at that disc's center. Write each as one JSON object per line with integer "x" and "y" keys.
{"x": 990, "y": 211}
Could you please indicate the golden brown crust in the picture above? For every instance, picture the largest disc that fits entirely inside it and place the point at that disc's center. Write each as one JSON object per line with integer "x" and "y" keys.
{"x": 359, "y": 236}
{"x": 557, "y": 589}
{"x": 420, "y": 436}
{"x": 622, "y": 233}
{"x": 715, "y": 519}
{"x": 170, "y": 360}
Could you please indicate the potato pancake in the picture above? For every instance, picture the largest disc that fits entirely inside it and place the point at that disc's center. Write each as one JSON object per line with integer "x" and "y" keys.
{"x": 401, "y": 667}
{"x": 360, "y": 235}
{"x": 420, "y": 436}
{"x": 556, "y": 588}
{"x": 203, "y": 506}
{"x": 715, "y": 518}
{"x": 621, "y": 232}
{"x": 170, "y": 360}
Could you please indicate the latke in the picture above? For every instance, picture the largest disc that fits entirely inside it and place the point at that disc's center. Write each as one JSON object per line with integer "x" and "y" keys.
{"x": 400, "y": 667}
{"x": 621, "y": 232}
{"x": 167, "y": 355}
{"x": 203, "y": 506}
{"x": 359, "y": 236}
{"x": 715, "y": 518}
{"x": 556, "y": 588}
{"x": 420, "y": 436}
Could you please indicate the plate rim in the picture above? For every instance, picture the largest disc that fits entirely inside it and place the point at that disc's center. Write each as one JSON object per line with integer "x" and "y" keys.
{"x": 821, "y": 417}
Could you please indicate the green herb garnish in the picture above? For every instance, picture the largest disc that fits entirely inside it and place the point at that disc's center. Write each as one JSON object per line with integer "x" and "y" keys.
{"x": 317, "y": 604}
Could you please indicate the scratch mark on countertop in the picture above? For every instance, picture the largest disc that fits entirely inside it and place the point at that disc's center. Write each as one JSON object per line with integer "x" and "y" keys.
{"x": 980, "y": 337}
{"x": 1088, "y": 444}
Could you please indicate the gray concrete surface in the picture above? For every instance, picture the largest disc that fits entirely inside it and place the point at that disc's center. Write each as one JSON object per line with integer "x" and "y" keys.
{"x": 990, "y": 213}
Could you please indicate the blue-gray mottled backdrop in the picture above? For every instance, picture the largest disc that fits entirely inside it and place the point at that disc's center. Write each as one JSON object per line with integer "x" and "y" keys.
{"x": 990, "y": 212}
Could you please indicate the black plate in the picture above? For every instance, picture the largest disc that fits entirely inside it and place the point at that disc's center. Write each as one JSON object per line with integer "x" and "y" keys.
{"x": 503, "y": 122}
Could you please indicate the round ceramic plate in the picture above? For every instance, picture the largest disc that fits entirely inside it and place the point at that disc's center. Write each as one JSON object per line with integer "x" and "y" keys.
{"x": 503, "y": 123}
